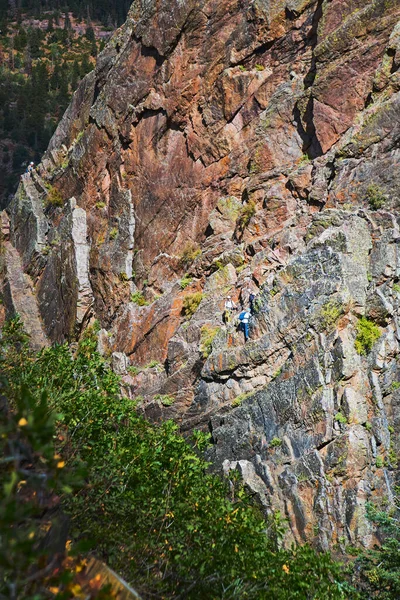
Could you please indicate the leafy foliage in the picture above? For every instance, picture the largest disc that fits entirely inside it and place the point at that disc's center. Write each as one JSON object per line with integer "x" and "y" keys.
{"x": 207, "y": 335}
{"x": 247, "y": 213}
{"x": 153, "y": 511}
{"x": 189, "y": 254}
{"x": 139, "y": 299}
{"x": 330, "y": 314}
{"x": 379, "y": 568}
{"x": 185, "y": 281}
{"x": 375, "y": 197}
{"x": 191, "y": 303}
{"x": 53, "y": 198}
{"x": 367, "y": 334}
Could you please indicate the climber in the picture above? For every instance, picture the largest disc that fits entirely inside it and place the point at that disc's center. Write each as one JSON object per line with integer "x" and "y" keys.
{"x": 229, "y": 307}
{"x": 244, "y": 318}
{"x": 30, "y": 167}
{"x": 252, "y": 298}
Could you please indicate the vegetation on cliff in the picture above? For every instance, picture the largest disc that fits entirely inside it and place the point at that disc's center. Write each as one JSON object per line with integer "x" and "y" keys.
{"x": 148, "y": 505}
{"x": 44, "y": 53}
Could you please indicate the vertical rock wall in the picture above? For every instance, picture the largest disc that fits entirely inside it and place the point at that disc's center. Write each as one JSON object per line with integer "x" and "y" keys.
{"x": 220, "y": 147}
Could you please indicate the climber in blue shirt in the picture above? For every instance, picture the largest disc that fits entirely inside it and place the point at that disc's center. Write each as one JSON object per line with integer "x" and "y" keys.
{"x": 244, "y": 318}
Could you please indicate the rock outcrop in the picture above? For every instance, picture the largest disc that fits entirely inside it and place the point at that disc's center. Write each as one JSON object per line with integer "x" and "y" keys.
{"x": 227, "y": 147}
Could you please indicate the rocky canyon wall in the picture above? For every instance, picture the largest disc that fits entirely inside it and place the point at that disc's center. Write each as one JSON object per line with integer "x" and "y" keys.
{"x": 220, "y": 147}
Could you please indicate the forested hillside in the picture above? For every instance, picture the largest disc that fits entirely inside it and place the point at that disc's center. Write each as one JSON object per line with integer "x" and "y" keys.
{"x": 45, "y": 50}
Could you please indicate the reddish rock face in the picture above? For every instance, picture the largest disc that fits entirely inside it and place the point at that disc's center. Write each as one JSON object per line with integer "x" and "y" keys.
{"x": 219, "y": 149}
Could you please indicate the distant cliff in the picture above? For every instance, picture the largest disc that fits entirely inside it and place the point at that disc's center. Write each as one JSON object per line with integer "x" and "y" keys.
{"x": 221, "y": 147}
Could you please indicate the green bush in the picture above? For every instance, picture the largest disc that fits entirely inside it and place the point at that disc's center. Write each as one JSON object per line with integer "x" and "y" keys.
{"x": 185, "y": 281}
{"x": 165, "y": 399}
{"x": 378, "y": 569}
{"x": 54, "y": 197}
{"x": 207, "y": 335}
{"x": 153, "y": 511}
{"x": 113, "y": 233}
{"x": 191, "y": 303}
{"x": 367, "y": 334}
{"x": 330, "y": 314}
{"x": 246, "y": 214}
{"x": 139, "y": 299}
{"x": 275, "y": 442}
{"x": 189, "y": 254}
{"x": 340, "y": 418}
{"x": 375, "y": 197}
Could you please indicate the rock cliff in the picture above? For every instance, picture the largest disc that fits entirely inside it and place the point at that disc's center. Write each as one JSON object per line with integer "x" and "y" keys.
{"x": 218, "y": 148}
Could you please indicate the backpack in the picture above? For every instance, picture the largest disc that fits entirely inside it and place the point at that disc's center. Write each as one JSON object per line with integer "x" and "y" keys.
{"x": 242, "y": 315}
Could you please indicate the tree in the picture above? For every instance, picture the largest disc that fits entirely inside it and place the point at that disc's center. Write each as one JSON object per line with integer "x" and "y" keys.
{"x": 50, "y": 25}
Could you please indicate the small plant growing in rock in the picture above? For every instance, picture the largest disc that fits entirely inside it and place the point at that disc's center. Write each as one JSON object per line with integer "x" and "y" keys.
{"x": 246, "y": 214}
{"x": 368, "y": 426}
{"x": 134, "y": 370}
{"x": 123, "y": 276}
{"x": 239, "y": 399}
{"x": 340, "y": 418}
{"x": 208, "y": 334}
{"x": 395, "y": 385}
{"x": 330, "y": 314}
{"x": 367, "y": 334}
{"x": 139, "y": 299}
{"x": 113, "y": 233}
{"x": 259, "y": 68}
{"x": 185, "y": 281}
{"x": 396, "y": 288}
{"x": 375, "y": 197}
{"x": 153, "y": 364}
{"x": 100, "y": 205}
{"x": 165, "y": 400}
{"x": 275, "y": 442}
{"x": 379, "y": 462}
{"x": 53, "y": 197}
{"x": 191, "y": 303}
{"x": 189, "y": 253}
{"x": 242, "y": 68}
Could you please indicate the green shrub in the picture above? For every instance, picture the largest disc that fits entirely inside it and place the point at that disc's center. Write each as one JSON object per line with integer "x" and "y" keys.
{"x": 246, "y": 214}
{"x": 379, "y": 462}
{"x": 165, "y": 400}
{"x": 340, "y": 418}
{"x": 368, "y": 426}
{"x": 207, "y": 335}
{"x": 396, "y": 288}
{"x": 375, "y": 197}
{"x": 123, "y": 276}
{"x": 259, "y": 68}
{"x": 330, "y": 314}
{"x": 54, "y": 197}
{"x": 191, "y": 303}
{"x": 139, "y": 299}
{"x": 395, "y": 385}
{"x": 185, "y": 281}
{"x": 151, "y": 507}
{"x": 367, "y": 334}
{"x": 153, "y": 364}
{"x": 189, "y": 254}
{"x": 275, "y": 442}
{"x": 134, "y": 370}
{"x": 240, "y": 399}
{"x": 113, "y": 233}
{"x": 100, "y": 205}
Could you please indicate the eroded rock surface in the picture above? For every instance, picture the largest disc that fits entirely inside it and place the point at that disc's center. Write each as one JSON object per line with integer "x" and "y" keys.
{"x": 227, "y": 147}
